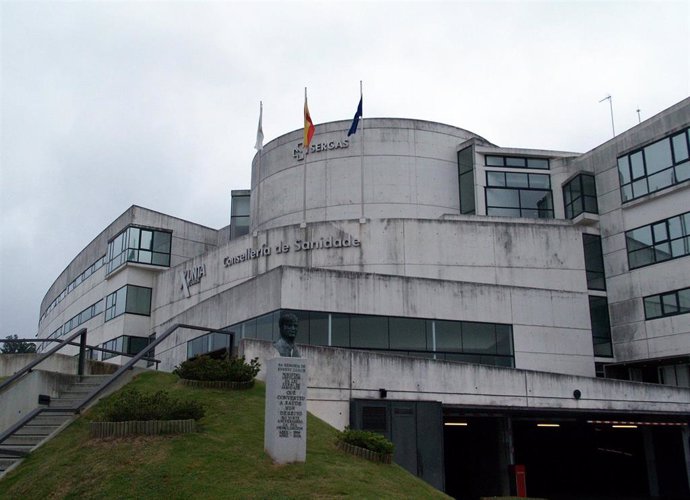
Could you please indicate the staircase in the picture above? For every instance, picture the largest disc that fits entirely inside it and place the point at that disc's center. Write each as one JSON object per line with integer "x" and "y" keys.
{"x": 45, "y": 425}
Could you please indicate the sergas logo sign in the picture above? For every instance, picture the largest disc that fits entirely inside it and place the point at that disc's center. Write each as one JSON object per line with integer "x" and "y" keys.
{"x": 318, "y": 147}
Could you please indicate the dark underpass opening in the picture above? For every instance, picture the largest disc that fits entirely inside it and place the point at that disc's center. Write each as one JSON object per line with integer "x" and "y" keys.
{"x": 564, "y": 458}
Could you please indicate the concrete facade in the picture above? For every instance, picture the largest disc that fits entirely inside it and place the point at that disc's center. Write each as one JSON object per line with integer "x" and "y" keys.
{"x": 416, "y": 233}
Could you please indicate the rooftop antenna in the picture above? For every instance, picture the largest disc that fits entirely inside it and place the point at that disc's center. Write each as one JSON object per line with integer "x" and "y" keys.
{"x": 639, "y": 120}
{"x": 610, "y": 99}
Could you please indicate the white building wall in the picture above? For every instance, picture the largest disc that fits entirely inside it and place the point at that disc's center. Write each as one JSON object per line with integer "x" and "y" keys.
{"x": 550, "y": 328}
{"x": 633, "y": 337}
{"x": 402, "y": 168}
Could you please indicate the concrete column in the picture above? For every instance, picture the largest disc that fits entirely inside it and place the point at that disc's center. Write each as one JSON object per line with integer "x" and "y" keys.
{"x": 650, "y": 459}
{"x": 685, "y": 436}
{"x": 507, "y": 454}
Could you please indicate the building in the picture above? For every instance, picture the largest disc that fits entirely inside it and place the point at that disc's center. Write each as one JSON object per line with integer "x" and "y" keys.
{"x": 558, "y": 280}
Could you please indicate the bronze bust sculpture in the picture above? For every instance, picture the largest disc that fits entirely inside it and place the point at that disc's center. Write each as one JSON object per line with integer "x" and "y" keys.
{"x": 285, "y": 345}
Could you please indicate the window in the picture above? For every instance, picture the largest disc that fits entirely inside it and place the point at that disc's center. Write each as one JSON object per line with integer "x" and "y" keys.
{"x": 125, "y": 344}
{"x": 239, "y": 214}
{"x": 516, "y": 162}
{"x": 128, "y": 299}
{"x": 667, "y": 304}
{"x": 512, "y": 194}
{"x": 654, "y": 167}
{"x": 135, "y": 244}
{"x": 210, "y": 342}
{"x": 77, "y": 281}
{"x": 580, "y": 195}
{"x": 601, "y": 326}
{"x": 594, "y": 262}
{"x": 660, "y": 241}
{"x": 677, "y": 375}
{"x": 466, "y": 180}
{"x": 473, "y": 342}
{"x": 81, "y": 318}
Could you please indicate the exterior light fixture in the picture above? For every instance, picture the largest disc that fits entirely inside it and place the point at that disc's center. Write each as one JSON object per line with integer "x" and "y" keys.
{"x": 456, "y": 424}
{"x": 548, "y": 425}
{"x": 620, "y": 426}
{"x": 383, "y": 393}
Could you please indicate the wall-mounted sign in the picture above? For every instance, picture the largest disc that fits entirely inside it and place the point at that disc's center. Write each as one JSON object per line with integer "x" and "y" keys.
{"x": 297, "y": 246}
{"x": 192, "y": 277}
{"x": 317, "y": 147}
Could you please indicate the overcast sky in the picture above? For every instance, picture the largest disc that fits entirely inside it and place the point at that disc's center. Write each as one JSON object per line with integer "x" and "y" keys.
{"x": 108, "y": 104}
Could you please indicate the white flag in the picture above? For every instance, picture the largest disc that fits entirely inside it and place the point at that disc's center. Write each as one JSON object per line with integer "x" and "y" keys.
{"x": 259, "y": 146}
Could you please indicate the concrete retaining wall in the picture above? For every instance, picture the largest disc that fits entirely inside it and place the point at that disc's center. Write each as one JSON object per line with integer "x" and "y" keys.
{"x": 337, "y": 375}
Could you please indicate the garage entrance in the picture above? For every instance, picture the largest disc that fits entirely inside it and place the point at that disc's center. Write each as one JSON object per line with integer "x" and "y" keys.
{"x": 565, "y": 457}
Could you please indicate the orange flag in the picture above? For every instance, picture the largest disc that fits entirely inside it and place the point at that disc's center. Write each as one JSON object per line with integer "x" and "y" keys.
{"x": 309, "y": 128}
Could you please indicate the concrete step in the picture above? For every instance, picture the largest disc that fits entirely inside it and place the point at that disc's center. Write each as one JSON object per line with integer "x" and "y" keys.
{"x": 94, "y": 379}
{"x": 13, "y": 447}
{"x": 23, "y": 440}
{"x": 36, "y": 430}
{"x": 5, "y": 463}
{"x": 66, "y": 402}
{"x": 51, "y": 418}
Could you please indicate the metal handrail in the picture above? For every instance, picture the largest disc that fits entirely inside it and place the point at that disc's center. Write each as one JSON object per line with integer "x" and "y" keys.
{"x": 130, "y": 364}
{"x": 91, "y": 347}
{"x": 42, "y": 357}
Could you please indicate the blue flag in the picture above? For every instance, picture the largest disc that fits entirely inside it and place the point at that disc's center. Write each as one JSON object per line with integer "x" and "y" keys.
{"x": 355, "y": 120}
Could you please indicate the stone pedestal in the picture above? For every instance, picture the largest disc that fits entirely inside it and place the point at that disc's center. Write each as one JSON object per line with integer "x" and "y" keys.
{"x": 285, "y": 428}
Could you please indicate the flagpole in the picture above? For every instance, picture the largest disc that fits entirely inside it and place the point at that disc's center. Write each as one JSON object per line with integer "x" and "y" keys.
{"x": 304, "y": 173}
{"x": 258, "y": 170}
{"x": 362, "y": 220}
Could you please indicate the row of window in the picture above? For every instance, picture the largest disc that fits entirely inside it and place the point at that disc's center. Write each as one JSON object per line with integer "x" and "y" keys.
{"x": 135, "y": 244}
{"x": 511, "y": 194}
{"x": 516, "y": 162}
{"x": 660, "y": 241}
{"x": 667, "y": 304}
{"x": 654, "y": 167}
{"x": 124, "y": 343}
{"x": 486, "y": 343}
{"x": 128, "y": 299}
{"x": 77, "y": 320}
{"x": 75, "y": 283}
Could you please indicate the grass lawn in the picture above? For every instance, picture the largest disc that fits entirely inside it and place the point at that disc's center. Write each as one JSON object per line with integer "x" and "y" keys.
{"x": 224, "y": 460}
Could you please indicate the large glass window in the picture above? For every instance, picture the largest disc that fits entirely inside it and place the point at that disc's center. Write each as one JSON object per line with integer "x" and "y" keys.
{"x": 128, "y": 299}
{"x": 239, "y": 214}
{"x": 125, "y": 344}
{"x": 135, "y": 244}
{"x": 654, "y": 167}
{"x": 513, "y": 194}
{"x": 210, "y": 342}
{"x": 466, "y": 180}
{"x": 580, "y": 195}
{"x": 667, "y": 304}
{"x": 516, "y": 162}
{"x": 601, "y": 326}
{"x": 594, "y": 262}
{"x": 660, "y": 241}
{"x": 473, "y": 342}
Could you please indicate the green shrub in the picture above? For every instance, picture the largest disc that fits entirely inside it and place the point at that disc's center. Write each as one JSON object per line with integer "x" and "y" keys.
{"x": 227, "y": 369}
{"x": 364, "y": 439}
{"x": 131, "y": 404}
